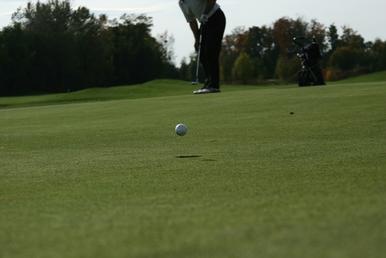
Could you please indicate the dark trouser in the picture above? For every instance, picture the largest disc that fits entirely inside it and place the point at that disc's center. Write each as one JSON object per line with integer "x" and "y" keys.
{"x": 212, "y": 34}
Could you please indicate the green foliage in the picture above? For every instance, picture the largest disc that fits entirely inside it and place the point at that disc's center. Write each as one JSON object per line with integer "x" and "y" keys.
{"x": 52, "y": 47}
{"x": 352, "y": 39}
{"x": 378, "y": 55}
{"x": 260, "y": 46}
{"x": 333, "y": 37}
{"x": 283, "y": 32}
{"x": 287, "y": 68}
{"x": 243, "y": 69}
{"x": 269, "y": 48}
{"x": 233, "y": 45}
{"x": 346, "y": 58}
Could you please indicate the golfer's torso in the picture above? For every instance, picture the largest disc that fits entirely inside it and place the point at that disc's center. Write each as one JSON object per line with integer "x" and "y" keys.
{"x": 197, "y": 7}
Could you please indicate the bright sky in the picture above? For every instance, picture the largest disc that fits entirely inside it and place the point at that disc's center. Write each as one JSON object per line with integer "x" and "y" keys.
{"x": 367, "y": 17}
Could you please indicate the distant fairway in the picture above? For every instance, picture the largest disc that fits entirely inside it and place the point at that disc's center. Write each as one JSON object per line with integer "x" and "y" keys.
{"x": 368, "y": 78}
{"x": 106, "y": 179}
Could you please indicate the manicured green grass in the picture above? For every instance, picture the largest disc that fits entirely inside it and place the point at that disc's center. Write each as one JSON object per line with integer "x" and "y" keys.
{"x": 111, "y": 179}
{"x": 373, "y": 77}
{"x": 159, "y": 88}
{"x": 152, "y": 89}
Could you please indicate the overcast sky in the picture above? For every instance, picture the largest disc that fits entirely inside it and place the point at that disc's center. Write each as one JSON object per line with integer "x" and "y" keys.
{"x": 367, "y": 17}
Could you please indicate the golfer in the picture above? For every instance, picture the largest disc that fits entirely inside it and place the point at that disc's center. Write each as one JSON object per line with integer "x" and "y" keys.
{"x": 212, "y": 20}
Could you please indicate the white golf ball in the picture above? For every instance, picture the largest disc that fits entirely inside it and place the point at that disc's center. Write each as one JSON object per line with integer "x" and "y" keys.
{"x": 181, "y": 129}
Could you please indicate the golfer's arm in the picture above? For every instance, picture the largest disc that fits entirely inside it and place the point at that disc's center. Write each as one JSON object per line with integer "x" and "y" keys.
{"x": 195, "y": 29}
{"x": 194, "y": 24}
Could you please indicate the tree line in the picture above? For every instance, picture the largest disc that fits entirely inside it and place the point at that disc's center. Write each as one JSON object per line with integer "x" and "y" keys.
{"x": 52, "y": 47}
{"x": 264, "y": 53}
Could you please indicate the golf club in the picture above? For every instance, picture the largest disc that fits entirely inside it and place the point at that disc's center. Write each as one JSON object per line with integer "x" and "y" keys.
{"x": 197, "y": 81}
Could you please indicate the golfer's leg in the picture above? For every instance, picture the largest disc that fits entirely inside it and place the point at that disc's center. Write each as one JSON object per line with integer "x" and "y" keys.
{"x": 216, "y": 27}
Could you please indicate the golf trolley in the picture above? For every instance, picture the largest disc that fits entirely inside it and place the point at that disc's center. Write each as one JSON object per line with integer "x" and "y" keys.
{"x": 310, "y": 73}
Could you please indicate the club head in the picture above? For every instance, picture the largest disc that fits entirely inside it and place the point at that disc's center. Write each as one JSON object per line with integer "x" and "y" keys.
{"x": 195, "y": 82}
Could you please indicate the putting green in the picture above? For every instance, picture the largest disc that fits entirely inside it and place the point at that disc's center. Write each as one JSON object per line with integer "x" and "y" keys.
{"x": 111, "y": 179}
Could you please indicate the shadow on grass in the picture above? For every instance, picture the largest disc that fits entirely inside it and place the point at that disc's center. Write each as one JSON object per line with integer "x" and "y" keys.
{"x": 188, "y": 156}
{"x": 195, "y": 157}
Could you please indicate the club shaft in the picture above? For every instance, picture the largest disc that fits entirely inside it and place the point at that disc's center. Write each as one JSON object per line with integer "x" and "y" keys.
{"x": 198, "y": 57}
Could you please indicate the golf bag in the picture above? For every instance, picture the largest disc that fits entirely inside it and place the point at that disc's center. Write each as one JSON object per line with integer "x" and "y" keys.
{"x": 310, "y": 73}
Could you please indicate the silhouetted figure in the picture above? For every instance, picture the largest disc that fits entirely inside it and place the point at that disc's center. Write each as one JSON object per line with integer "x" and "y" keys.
{"x": 311, "y": 72}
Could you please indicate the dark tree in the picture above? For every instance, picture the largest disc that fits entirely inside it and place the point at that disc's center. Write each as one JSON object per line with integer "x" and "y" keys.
{"x": 51, "y": 47}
